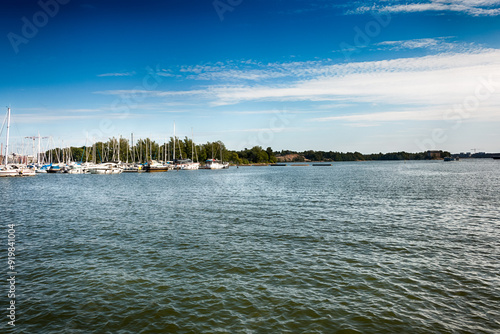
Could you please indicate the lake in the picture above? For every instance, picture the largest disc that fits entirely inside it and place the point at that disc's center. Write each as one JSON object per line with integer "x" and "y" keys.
{"x": 358, "y": 247}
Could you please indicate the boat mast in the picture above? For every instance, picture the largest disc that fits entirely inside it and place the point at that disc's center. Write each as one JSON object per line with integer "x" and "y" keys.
{"x": 7, "y": 144}
{"x": 192, "y": 145}
{"x": 128, "y": 151}
{"x": 132, "y": 142}
{"x": 39, "y": 152}
{"x": 220, "y": 146}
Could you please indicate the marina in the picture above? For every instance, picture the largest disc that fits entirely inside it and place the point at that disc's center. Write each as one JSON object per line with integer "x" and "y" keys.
{"x": 44, "y": 162}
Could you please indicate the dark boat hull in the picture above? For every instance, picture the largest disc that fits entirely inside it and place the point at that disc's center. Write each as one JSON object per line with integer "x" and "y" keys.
{"x": 156, "y": 169}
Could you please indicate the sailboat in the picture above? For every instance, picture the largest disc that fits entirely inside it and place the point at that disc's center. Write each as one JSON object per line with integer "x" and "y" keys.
{"x": 216, "y": 164}
{"x": 190, "y": 164}
{"x": 11, "y": 170}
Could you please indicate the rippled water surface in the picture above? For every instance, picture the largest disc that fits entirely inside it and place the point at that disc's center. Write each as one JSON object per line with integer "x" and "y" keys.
{"x": 365, "y": 247}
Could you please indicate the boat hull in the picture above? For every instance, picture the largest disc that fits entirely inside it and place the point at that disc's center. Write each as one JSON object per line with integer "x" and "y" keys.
{"x": 9, "y": 172}
{"x": 156, "y": 169}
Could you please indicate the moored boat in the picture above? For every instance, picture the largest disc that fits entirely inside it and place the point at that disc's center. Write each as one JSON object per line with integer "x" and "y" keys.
{"x": 191, "y": 166}
{"x": 25, "y": 171}
{"x": 55, "y": 168}
{"x": 8, "y": 171}
{"x": 13, "y": 170}
{"x": 155, "y": 166}
{"x": 106, "y": 168}
{"x": 75, "y": 169}
{"x": 216, "y": 164}
{"x": 43, "y": 169}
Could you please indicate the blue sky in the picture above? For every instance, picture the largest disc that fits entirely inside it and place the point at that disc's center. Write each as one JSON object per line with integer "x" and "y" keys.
{"x": 362, "y": 76}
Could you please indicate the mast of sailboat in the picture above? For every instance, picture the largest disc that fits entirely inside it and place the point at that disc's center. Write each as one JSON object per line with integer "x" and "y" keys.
{"x": 220, "y": 146}
{"x": 7, "y": 143}
{"x": 180, "y": 151}
{"x": 94, "y": 152}
{"x": 174, "y": 143}
{"x": 127, "y": 151}
{"x": 38, "y": 151}
{"x": 132, "y": 143}
{"x": 192, "y": 145}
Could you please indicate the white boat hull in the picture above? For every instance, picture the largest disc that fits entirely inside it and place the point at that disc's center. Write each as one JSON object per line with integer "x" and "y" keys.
{"x": 193, "y": 166}
{"x": 106, "y": 169}
{"x": 9, "y": 172}
{"x": 27, "y": 172}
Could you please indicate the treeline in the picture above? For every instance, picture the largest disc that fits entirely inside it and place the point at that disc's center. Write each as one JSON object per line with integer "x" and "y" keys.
{"x": 353, "y": 156}
{"x": 143, "y": 150}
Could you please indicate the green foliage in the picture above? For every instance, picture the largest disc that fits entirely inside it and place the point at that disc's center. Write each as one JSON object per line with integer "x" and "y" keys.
{"x": 257, "y": 155}
{"x": 146, "y": 149}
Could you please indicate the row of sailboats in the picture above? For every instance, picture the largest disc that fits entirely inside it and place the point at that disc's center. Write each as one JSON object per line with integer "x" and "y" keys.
{"x": 111, "y": 167}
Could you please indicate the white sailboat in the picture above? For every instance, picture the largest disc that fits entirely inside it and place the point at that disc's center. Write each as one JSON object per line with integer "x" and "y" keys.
{"x": 6, "y": 169}
{"x": 216, "y": 164}
{"x": 106, "y": 168}
{"x": 190, "y": 164}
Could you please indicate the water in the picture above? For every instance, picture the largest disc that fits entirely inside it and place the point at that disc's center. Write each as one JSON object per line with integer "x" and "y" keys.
{"x": 364, "y": 247}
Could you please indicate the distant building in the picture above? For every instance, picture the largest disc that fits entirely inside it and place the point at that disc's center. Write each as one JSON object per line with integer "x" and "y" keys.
{"x": 434, "y": 154}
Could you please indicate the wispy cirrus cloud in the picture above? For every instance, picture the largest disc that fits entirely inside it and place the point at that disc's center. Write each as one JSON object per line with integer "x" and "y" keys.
{"x": 250, "y": 72}
{"x": 414, "y": 87}
{"x": 468, "y": 7}
{"x": 436, "y": 80}
{"x": 117, "y": 74}
{"x": 42, "y": 118}
{"x": 421, "y": 114}
{"x": 142, "y": 93}
{"x": 434, "y": 44}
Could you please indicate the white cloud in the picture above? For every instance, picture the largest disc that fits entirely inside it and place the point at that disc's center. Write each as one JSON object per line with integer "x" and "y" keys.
{"x": 119, "y": 74}
{"x": 419, "y": 88}
{"x": 469, "y": 7}
{"x": 42, "y": 118}
{"x": 439, "y": 44}
{"x": 436, "y": 80}
{"x": 488, "y": 112}
{"x": 82, "y": 110}
{"x": 142, "y": 93}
